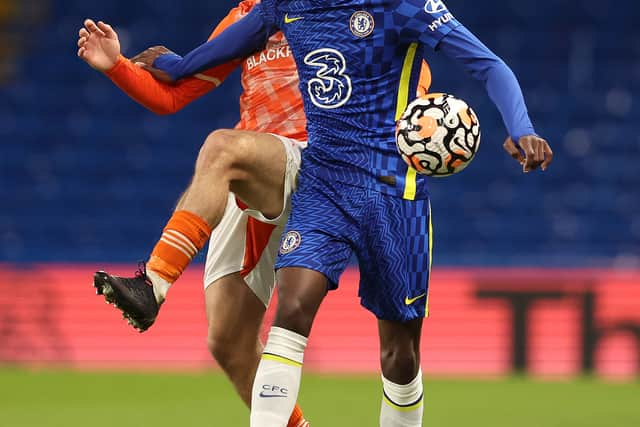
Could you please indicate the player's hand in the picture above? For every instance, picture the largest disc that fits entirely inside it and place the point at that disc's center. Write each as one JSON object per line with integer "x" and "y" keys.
{"x": 537, "y": 152}
{"x": 98, "y": 45}
{"x": 146, "y": 59}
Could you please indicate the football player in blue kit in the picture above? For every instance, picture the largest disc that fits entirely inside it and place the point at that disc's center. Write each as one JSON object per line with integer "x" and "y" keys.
{"x": 359, "y": 63}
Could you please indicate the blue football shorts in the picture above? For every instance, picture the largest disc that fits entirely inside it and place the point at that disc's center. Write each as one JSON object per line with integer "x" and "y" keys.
{"x": 390, "y": 236}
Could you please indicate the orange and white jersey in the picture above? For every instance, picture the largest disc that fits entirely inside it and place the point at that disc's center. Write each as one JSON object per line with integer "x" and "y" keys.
{"x": 271, "y": 100}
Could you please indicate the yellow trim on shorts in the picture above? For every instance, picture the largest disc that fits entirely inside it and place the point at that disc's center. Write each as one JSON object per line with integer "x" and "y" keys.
{"x": 403, "y": 101}
{"x": 426, "y": 311}
{"x": 402, "y": 408}
{"x": 410, "y": 184}
{"x": 281, "y": 359}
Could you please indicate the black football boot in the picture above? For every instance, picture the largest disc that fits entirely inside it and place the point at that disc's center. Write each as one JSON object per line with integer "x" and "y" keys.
{"x": 133, "y": 296}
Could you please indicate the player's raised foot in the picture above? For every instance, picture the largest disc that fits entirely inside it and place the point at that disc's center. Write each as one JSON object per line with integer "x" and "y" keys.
{"x": 134, "y": 296}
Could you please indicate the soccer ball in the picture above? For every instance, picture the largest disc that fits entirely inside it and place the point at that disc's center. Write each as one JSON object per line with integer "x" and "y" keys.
{"x": 438, "y": 135}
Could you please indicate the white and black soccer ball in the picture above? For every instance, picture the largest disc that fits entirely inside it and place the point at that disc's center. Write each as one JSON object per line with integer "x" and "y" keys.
{"x": 438, "y": 135}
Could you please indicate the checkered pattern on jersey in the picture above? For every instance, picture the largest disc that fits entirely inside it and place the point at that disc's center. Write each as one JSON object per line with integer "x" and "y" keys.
{"x": 410, "y": 17}
{"x": 389, "y": 235}
{"x": 354, "y": 142}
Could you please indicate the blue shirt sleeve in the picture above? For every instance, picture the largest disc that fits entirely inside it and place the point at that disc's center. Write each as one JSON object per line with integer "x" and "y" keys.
{"x": 425, "y": 22}
{"x": 240, "y": 40}
{"x": 500, "y": 82}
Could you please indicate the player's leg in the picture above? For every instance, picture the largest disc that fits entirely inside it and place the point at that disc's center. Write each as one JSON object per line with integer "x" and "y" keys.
{"x": 395, "y": 259}
{"x": 402, "y": 401}
{"x": 277, "y": 381}
{"x": 234, "y": 316}
{"x": 234, "y": 308}
{"x": 226, "y": 160}
{"x": 239, "y": 281}
{"x": 313, "y": 254}
{"x": 251, "y": 164}
{"x": 237, "y": 349}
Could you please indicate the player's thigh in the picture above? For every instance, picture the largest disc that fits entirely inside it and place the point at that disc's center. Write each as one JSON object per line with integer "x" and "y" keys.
{"x": 258, "y": 168}
{"x": 315, "y": 249}
{"x": 276, "y": 209}
{"x": 321, "y": 229}
{"x": 300, "y": 294}
{"x": 395, "y": 257}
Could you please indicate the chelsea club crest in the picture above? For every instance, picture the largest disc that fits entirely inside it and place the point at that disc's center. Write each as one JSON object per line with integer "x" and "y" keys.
{"x": 362, "y": 23}
{"x": 290, "y": 242}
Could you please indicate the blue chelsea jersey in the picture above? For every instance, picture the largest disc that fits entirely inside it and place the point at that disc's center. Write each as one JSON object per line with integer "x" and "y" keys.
{"x": 359, "y": 64}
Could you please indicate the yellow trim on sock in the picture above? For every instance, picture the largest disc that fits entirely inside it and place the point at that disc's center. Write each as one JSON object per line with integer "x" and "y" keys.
{"x": 281, "y": 359}
{"x": 403, "y": 408}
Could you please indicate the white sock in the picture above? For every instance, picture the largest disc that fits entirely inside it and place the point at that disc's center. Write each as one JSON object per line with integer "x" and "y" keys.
{"x": 402, "y": 405}
{"x": 160, "y": 286}
{"x": 275, "y": 389}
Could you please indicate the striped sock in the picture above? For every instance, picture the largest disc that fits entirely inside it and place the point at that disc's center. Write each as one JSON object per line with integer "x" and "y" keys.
{"x": 297, "y": 418}
{"x": 402, "y": 405}
{"x": 183, "y": 237}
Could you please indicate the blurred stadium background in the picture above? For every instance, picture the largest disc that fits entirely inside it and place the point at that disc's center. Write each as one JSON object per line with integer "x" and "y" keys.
{"x": 537, "y": 278}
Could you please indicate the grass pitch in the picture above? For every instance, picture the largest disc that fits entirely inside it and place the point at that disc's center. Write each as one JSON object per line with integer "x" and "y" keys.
{"x": 70, "y": 399}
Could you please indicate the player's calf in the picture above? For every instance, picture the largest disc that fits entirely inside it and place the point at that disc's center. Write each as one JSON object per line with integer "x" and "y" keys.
{"x": 402, "y": 399}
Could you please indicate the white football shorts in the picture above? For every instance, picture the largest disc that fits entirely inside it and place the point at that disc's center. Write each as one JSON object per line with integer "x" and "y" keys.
{"x": 248, "y": 242}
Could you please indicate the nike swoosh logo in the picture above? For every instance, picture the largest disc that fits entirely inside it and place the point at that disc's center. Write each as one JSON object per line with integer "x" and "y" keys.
{"x": 271, "y": 395}
{"x": 409, "y": 301}
{"x": 288, "y": 20}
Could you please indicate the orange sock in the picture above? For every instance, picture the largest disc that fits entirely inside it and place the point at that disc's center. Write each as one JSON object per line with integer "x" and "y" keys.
{"x": 297, "y": 419}
{"x": 183, "y": 237}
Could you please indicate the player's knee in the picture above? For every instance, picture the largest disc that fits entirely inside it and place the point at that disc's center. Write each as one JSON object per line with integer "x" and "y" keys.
{"x": 399, "y": 363}
{"x": 224, "y": 349}
{"x": 294, "y": 316}
{"x": 219, "y": 151}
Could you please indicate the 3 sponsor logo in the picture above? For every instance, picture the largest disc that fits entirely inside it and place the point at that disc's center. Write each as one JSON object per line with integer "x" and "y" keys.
{"x": 331, "y": 87}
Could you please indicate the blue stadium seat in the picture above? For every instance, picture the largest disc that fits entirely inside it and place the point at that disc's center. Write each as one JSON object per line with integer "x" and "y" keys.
{"x": 88, "y": 175}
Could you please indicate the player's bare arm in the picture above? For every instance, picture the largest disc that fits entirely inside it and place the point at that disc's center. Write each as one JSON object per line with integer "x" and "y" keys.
{"x": 146, "y": 58}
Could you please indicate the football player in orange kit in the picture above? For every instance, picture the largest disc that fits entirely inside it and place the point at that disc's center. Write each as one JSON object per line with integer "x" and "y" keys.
{"x": 239, "y": 275}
